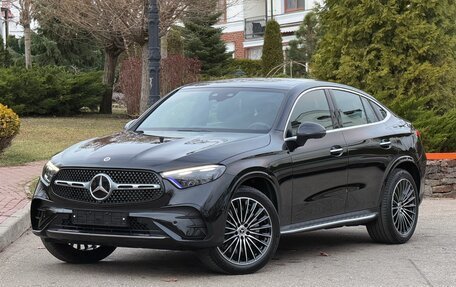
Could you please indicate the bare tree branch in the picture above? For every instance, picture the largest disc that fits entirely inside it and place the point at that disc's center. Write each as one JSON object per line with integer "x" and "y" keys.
{"x": 117, "y": 22}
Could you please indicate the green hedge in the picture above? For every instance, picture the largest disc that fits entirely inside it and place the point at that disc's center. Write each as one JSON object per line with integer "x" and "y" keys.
{"x": 246, "y": 67}
{"x": 238, "y": 68}
{"x": 49, "y": 90}
{"x": 438, "y": 131}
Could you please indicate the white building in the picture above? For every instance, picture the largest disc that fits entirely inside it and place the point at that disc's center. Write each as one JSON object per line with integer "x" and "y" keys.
{"x": 244, "y": 21}
{"x": 10, "y": 8}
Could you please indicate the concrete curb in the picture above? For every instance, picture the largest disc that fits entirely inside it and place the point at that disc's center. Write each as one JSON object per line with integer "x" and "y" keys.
{"x": 14, "y": 227}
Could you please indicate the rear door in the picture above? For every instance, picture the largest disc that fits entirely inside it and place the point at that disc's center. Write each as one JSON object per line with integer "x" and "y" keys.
{"x": 320, "y": 166}
{"x": 370, "y": 147}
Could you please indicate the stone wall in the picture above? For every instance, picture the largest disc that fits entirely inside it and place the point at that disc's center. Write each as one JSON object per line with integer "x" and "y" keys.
{"x": 441, "y": 178}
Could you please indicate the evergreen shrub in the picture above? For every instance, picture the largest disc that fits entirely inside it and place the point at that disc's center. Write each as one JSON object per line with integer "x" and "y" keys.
{"x": 272, "y": 49}
{"x": 9, "y": 126}
{"x": 50, "y": 90}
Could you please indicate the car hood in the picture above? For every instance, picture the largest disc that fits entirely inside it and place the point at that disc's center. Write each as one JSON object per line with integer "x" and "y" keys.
{"x": 159, "y": 151}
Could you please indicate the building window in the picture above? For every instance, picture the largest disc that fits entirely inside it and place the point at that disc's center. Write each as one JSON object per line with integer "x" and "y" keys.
{"x": 231, "y": 48}
{"x": 294, "y": 5}
{"x": 254, "y": 27}
{"x": 255, "y": 53}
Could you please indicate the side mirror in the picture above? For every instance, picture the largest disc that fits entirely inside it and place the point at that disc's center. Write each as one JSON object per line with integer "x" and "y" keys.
{"x": 129, "y": 124}
{"x": 308, "y": 130}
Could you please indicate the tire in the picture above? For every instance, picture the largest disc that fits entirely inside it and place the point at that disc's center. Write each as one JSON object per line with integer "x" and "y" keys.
{"x": 78, "y": 253}
{"x": 250, "y": 245}
{"x": 398, "y": 214}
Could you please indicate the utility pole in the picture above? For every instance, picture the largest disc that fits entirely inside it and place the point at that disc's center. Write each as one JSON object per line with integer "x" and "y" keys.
{"x": 154, "y": 53}
{"x": 266, "y": 10}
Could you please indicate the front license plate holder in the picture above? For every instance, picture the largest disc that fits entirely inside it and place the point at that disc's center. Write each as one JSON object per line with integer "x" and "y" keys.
{"x": 99, "y": 218}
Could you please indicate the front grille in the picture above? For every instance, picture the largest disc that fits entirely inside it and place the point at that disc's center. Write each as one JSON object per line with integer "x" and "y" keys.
{"x": 117, "y": 196}
{"x": 118, "y": 176}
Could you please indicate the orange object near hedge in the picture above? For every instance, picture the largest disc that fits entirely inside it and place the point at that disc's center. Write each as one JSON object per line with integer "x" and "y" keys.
{"x": 436, "y": 156}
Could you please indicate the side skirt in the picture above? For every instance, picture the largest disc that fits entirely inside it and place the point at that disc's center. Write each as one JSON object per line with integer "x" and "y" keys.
{"x": 352, "y": 218}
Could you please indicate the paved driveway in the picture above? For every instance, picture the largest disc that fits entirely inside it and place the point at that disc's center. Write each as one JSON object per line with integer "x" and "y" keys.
{"x": 429, "y": 259}
{"x": 12, "y": 179}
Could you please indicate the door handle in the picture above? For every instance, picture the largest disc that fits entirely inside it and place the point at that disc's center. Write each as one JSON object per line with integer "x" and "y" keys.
{"x": 385, "y": 143}
{"x": 336, "y": 151}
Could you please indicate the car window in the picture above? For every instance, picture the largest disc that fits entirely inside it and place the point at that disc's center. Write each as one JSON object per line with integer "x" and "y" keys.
{"x": 381, "y": 113}
{"x": 311, "y": 107}
{"x": 216, "y": 109}
{"x": 350, "y": 108}
{"x": 370, "y": 113}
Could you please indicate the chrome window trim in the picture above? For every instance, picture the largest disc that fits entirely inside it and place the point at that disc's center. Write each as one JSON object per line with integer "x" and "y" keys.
{"x": 388, "y": 113}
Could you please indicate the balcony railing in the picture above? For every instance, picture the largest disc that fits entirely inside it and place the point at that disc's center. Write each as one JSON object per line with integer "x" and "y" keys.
{"x": 254, "y": 27}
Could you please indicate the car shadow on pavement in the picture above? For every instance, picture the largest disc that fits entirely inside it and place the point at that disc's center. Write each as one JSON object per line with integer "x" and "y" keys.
{"x": 147, "y": 263}
{"x": 304, "y": 246}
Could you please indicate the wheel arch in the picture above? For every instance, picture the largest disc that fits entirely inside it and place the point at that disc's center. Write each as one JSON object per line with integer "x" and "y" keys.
{"x": 261, "y": 180}
{"x": 406, "y": 163}
{"x": 413, "y": 170}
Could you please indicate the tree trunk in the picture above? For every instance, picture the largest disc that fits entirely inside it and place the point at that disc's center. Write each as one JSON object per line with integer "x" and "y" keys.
{"x": 145, "y": 78}
{"x": 109, "y": 73}
{"x": 164, "y": 47}
{"x": 28, "y": 46}
{"x": 25, "y": 18}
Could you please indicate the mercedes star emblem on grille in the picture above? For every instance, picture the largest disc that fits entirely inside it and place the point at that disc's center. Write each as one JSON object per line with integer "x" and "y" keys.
{"x": 107, "y": 186}
{"x": 100, "y": 186}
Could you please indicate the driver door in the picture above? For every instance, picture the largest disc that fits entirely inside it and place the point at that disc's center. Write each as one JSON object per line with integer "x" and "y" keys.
{"x": 320, "y": 167}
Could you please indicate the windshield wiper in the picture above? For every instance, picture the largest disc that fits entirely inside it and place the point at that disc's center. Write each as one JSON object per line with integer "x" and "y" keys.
{"x": 193, "y": 130}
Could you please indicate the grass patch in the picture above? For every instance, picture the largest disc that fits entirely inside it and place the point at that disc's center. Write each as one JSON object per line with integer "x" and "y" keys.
{"x": 41, "y": 138}
{"x": 31, "y": 188}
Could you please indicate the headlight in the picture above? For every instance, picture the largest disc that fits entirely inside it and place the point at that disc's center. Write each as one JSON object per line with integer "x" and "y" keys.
{"x": 189, "y": 177}
{"x": 49, "y": 171}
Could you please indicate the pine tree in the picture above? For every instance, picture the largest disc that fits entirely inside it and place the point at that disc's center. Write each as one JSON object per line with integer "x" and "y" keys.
{"x": 203, "y": 42}
{"x": 57, "y": 45}
{"x": 272, "y": 49}
{"x": 402, "y": 52}
{"x": 75, "y": 48}
{"x": 302, "y": 49}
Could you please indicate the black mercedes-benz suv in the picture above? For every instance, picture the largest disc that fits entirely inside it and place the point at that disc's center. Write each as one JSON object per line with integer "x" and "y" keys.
{"x": 226, "y": 168}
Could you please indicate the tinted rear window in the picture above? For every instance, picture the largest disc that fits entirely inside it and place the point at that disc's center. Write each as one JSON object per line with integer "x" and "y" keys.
{"x": 370, "y": 113}
{"x": 350, "y": 108}
{"x": 381, "y": 113}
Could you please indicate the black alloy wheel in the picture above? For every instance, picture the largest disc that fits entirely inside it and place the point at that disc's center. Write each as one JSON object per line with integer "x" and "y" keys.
{"x": 398, "y": 213}
{"x": 251, "y": 234}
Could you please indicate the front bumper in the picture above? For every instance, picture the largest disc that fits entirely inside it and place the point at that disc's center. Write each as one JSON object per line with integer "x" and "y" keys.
{"x": 193, "y": 218}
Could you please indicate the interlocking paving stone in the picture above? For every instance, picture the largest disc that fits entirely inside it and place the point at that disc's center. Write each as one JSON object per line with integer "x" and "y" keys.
{"x": 12, "y": 180}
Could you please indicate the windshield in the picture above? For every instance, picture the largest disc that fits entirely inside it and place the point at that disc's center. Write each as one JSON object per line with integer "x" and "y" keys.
{"x": 216, "y": 109}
